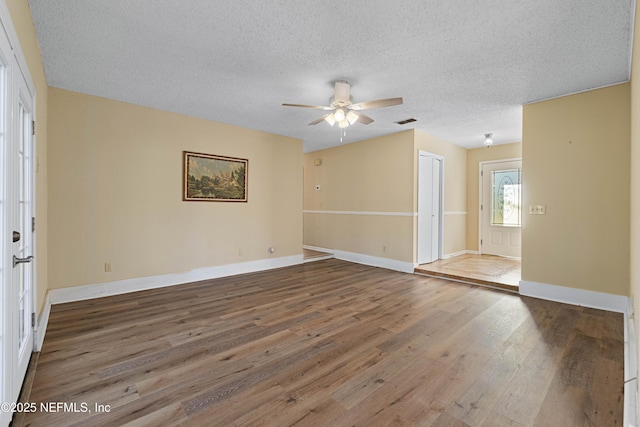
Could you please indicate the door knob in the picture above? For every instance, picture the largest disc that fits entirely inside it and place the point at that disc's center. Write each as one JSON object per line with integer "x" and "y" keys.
{"x": 16, "y": 236}
{"x": 17, "y": 260}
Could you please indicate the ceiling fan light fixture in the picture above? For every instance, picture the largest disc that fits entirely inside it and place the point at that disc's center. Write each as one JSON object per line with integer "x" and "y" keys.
{"x": 352, "y": 117}
{"x": 342, "y": 110}
{"x": 488, "y": 139}
{"x": 330, "y": 119}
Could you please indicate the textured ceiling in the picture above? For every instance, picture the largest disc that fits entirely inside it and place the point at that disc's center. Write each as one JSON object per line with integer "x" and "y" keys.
{"x": 464, "y": 68}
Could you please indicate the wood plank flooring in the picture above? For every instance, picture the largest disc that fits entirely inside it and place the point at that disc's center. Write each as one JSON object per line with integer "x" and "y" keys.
{"x": 330, "y": 343}
{"x": 489, "y": 270}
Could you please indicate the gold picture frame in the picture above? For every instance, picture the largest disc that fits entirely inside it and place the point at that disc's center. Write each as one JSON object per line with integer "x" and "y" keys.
{"x": 213, "y": 178}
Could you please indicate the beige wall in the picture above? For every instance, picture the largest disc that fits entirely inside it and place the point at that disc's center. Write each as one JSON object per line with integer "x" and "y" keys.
{"x": 474, "y": 157}
{"x": 21, "y": 17}
{"x": 576, "y": 162}
{"x": 362, "y": 177}
{"x": 455, "y": 189}
{"x": 379, "y": 175}
{"x": 115, "y": 192}
{"x": 635, "y": 187}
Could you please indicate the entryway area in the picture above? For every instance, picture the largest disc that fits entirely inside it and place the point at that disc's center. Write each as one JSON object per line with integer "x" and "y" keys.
{"x": 487, "y": 270}
{"x": 496, "y": 261}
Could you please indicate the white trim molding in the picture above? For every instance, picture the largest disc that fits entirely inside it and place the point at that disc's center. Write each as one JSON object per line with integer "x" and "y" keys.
{"x": 41, "y": 324}
{"x": 328, "y": 253}
{"x": 98, "y": 290}
{"x": 454, "y": 254}
{"x": 454, "y": 213}
{"x": 630, "y": 369}
{"x": 318, "y": 249}
{"x": 409, "y": 214}
{"x": 390, "y": 264}
{"x": 580, "y": 297}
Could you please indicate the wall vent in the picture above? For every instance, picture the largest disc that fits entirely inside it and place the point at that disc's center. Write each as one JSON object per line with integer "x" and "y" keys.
{"x": 405, "y": 121}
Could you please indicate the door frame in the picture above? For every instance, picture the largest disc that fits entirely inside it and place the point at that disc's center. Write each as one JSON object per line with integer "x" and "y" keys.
{"x": 480, "y": 194}
{"x": 17, "y": 69}
{"x": 441, "y": 203}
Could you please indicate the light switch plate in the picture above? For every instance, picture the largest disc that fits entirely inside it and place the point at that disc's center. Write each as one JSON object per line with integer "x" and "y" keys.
{"x": 537, "y": 209}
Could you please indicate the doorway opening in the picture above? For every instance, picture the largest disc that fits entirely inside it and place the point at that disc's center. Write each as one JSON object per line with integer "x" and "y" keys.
{"x": 497, "y": 263}
{"x": 501, "y": 208}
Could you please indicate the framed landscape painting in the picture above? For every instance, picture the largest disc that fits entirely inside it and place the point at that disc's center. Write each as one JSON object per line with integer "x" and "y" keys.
{"x": 212, "y": 178}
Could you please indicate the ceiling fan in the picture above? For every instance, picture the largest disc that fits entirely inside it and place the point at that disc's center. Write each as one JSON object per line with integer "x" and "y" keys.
{"x": 343, "y": 111}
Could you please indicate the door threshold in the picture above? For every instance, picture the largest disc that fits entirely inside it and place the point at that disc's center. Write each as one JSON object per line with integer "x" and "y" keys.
{"x": 487, "y": 270}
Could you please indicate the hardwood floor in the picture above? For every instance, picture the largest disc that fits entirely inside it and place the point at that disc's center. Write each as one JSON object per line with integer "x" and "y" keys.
{"x": 330, "y": 343}
{"x": 488, "y": 270}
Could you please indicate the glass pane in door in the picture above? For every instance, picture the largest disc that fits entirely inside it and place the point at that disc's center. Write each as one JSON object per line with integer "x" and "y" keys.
{"x": 506, "y": 198}
{"x": 24, "y": 226}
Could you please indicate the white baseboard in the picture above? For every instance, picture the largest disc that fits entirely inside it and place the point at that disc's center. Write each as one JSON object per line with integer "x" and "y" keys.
{"x": 318, "y": 249}
{"x": 454, "y": 254}
{"x": 630, "y": 369}
{"x": 97, "y": 290}
{"x": 328, "y": 254}
{"x": 599, "y": 300}
{"x": 390, "y": 264}
{"x": 41, "y": 324}
{"x": 465, "y": 252}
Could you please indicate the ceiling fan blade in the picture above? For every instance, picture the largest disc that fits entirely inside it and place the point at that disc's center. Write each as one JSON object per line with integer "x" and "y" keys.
{"x": 363, "y": 118}
{"x": 321, "y": 119}
{"x": 317, "y": 107}
{"x": 378, "y": 103}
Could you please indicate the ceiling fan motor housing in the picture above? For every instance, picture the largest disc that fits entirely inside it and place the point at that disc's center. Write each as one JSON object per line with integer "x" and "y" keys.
{"x": 342, "y": 94}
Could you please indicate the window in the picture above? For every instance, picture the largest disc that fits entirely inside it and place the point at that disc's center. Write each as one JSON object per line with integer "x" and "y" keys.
{"x": 506, "y": 197}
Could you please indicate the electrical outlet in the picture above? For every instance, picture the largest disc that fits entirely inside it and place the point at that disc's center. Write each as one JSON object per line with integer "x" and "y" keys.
{"x": 107, "y": 267}
{"x": 240, "y": 252}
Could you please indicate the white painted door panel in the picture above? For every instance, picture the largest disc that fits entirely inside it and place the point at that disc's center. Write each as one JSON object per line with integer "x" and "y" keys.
{"x": 429, "y": 208}
{"x": 17, "y": 190}
{"x": 500, "y": 212}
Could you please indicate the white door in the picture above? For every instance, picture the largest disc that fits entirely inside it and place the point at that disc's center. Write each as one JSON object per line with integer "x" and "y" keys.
{"x": 6, "y": 346}
{"x": 430, "y": 170}
{"x": 16, "y": 209}
{"x": 21, "y": 203}
{"x": 500, "y": 209}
